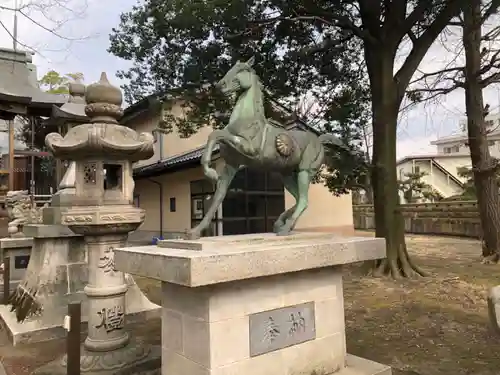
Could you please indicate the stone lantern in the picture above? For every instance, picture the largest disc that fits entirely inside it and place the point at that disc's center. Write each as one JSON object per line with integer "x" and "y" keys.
{"x": 57, "y": 271}
{"x": 103, "y": 152}
{"x": 103, "y": 212}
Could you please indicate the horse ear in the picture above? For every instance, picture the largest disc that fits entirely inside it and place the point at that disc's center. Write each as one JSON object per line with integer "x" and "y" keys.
{"x": 251, "y": 61}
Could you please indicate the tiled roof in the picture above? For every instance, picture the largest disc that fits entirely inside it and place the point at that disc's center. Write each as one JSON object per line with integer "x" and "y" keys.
{"x": 16, "y": 82}
{"x": 170, "y": 163}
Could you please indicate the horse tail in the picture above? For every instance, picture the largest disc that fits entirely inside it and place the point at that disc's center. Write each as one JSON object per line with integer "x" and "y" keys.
{"x": 329, "y": 138}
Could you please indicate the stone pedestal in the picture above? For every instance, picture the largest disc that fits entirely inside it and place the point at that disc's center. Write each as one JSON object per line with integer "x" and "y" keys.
{"x": 108, "y": 348}
{"x": 58, "y": 272}
{"x": 18, "y": 250}
{"x": 254, "y": 304}
{"x": 57, "y": 264}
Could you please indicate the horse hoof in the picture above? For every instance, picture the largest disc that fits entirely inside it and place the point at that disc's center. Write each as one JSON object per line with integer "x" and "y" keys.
{"x": 192, "y": 235}
{"x": 277, "y": 227}
{"x": 284, "y": 232}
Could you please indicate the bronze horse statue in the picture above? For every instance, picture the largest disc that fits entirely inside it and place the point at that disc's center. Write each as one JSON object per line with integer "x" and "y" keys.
{"x": 251, "y": 141}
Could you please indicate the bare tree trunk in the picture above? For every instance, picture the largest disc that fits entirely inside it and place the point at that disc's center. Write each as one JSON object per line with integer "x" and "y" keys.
{"x": 388, "y": 218}
{"x": 368, "y": 186}
{"x": 483, "y": 166}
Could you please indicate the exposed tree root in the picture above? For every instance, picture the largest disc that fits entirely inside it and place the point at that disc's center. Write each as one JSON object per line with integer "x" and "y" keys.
{"x": 491, "y": 259}
{"x": 398, "y": 267}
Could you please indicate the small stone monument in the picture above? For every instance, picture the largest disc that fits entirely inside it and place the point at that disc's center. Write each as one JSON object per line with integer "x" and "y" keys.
{"x": 17, "y": 247}
{"x": 254, "y": 304}
{"x": 21, "y": 211}
{"x": 103, "y": 212}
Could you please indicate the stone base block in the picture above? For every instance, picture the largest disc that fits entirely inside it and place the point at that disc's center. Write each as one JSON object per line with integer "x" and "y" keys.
{"x": 35, "y": 330}
{"x": 57, "y": 273}
{"x": 252, "y": 304}
{"x": 134, "y": 359}
{"x": 48, "y": 326}
{"x": 13, "y": 286}
{"x": 285, "y": 324}
{"x": 361, "y": 366}
{"x": 18, "y": 250}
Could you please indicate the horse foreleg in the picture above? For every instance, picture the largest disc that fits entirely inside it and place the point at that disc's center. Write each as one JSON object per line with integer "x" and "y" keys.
{"x": 303, "y": 181}
{"x": 290, "y": 184}
{"x": 221, "y": 136}
{"x": 206, "y": 159}
{"x": 223, "y": 183}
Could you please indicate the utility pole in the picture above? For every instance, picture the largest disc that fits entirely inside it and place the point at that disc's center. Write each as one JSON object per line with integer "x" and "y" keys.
{"x": 11, "y": 122}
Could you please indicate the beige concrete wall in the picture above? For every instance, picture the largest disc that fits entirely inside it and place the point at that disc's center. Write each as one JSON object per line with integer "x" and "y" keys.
{"x": 171, "y": 144}
{"x": 175, "y": 185}
{"x": 325, "y": 212}
{"x": 147, "y": 123}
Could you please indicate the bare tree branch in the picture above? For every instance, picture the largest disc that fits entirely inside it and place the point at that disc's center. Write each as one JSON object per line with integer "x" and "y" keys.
{"x": 452, "y": 76}
{"x": 33, "y": 11}
{"x": 493, "y": 34}
{"x": 52, "y": 31}
{"x": 490, "y": 10}
{"x": 416, "y": 15}
{"x": 2, "y": 25}
{"x": 494, "y": 62}
{"x": 438, "y": 74}
{"x": 404, "y": 74}
{"x": 494, "y": 78}
{"x": 331, "y": 19}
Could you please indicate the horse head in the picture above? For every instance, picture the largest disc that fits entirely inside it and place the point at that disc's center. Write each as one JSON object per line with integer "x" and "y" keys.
{"x": 238, "y": 79}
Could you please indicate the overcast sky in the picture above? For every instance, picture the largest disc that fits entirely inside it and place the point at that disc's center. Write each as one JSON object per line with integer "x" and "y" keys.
{"x": 90, "y": 27}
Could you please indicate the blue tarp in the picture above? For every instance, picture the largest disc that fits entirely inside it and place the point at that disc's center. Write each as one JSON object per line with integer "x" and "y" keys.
{"x": 155, "y": 240}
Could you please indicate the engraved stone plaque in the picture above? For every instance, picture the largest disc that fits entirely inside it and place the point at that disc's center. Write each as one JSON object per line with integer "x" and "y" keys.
{"x": 277, "y": 329}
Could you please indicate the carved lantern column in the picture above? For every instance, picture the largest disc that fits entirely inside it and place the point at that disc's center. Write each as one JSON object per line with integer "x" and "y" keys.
{"x": 103, "y": 212}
